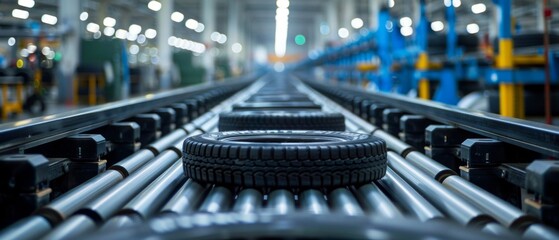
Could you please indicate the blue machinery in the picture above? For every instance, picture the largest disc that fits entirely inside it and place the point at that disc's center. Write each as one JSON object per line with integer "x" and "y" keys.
{"x": 391, "y": 62}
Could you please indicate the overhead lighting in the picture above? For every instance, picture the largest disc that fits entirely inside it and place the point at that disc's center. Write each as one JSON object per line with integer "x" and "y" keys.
{"x": 186, "y": 44}
{"x": 222, "y": 39}
{"x": 26, "y": 3}
{"x": 456, "y": 3}
{"x": 200, "y": 27}
{"x": 92, "y": 27}
{"x": 447, "y": 3}
{"x": 472, "y": 28}
{"x": 21, "y": 14}
{"x": 282, "y": 23}
{"x": 343, "y": 33}
{"x": 177, "y": 17}
{"x": 121, "y": 33}
{"x": 49, "y": 19}
{"x": 154, "y": 5}
{"x": 406, "y": 31}
{"x": 131, "y": 37}
{"x": 109, "y": 31}
{"x": 134, "y": 49}
{"x": 191, "y": 24}
{"x": 84, "y": 16}
{"x": 478, "y": 8}
{"x": 135, "y": 29}
{"x": 406, "y": 22}
{"x": 437, "y": 26}
{"x": 109, "y": 22}
{"x": 357, "y": 23}
{"x": 236, "y": 47}
{"x": 150, "y": 33}
{"x": 215, "y": 36}
{"x": 11, "y": 41}
{"x": 391, "y": 3}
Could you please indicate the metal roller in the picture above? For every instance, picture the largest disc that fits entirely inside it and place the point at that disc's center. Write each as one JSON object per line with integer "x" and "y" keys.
{"x": 281, "y": 201}
{"x": 105, "y": 205}
{"x": 408, "y": 198}
{"x": 501, "y": 210}
{"x": 71, "y": 228}
{"x": 393, "y": 143}
{"x": 218, "y": 200}
{"x": 120, "y": 221}
{"x": 540, "y": 231}
{"x": 432, "y": 168}
{"x": 313, "y": 201}
{"x": 133, "y": 162}
{"x": 448, "y": 202}
{"x": 343, "y": 201}
{"x": 497, "y": 229}
{"x": 186, "y": 199}
{"x": 151, "y": 198}
{"x": 248, "y": 201}
{"x": 31, "y": 227}
{"x": 67, "y": 204}
{"x": 167, "y": 141}
{"x": 374, "y": 201}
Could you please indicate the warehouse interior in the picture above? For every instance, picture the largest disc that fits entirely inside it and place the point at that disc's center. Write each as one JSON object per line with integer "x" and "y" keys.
{"x": 296, "y": 119}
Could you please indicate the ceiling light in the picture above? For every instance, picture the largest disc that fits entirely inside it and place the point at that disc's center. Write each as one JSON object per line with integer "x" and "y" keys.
{"x": 109, "y": 22}
{"x": 92, "y": 27}
{"x": 236, "y": 47}
{"x": 191, "y": 23}
{"x": 200, "y": 27}
{"x": 11, "y": 41}
{"x": 135, "y": 29}
{"x": 177, "y": 17}
{"x": 343, "y": 32}
{"x": 154, "y": 5}
{"x": 121, "y": 33}
{"x": 84, "y": 16}
{"x": 406, "y": 31}
{"x": 109, "y": 31}
{"x": 437, "y": 26}
{"x": 49, "y": 19}
{"x": 282, "y": 3}
{"x": 478, "y": 8}
{"x": 406, "y": 22}
{"x": 456, "y": 3}
{"x": 150, "y": 33}
{"x": 472, "y": 28}
{"x": 26, "y": 3}
{"x": 21, "y": 14}
{"x": 357, "y": 23}
{"x": 391, "y": 3}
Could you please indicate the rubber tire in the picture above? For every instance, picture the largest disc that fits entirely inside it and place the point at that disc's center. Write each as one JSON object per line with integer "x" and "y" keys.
{"x": 284, "y": 158}
{"x": 276, "y": 106}
{"x": 284, "y": 120}
{"x": 296, "y": 225}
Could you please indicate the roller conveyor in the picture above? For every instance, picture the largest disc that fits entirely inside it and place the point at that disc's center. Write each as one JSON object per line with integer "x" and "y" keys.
{"x": 150, "y": 184}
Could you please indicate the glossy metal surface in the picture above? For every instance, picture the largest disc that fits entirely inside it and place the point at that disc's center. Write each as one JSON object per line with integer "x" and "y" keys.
{"x": 248, "y": 201}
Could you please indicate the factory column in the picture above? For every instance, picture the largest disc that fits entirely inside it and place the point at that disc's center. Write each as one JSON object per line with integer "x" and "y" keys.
{"x": 374, "y": 7}
{"x": 511, "y": 95}
{"x": 164, "y": 26}
{"x": 332, "y": 18}
{"x": 422, "y": 64}
{"x": 233, "y": 32}
{"x": 69, "y": 15}
{"x": 208, "y": 18}
{"x": 348, "y": 13}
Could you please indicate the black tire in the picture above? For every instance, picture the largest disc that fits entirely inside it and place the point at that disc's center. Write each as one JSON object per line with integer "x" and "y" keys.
{"x": 288, "y": 226}
{"x": 284, "y": 120}
{"x": 276, "y": 106}
{"x": 284, "y": 158}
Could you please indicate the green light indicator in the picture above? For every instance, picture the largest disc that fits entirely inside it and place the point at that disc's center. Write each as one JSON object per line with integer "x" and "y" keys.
{"x": 300, "y": 39}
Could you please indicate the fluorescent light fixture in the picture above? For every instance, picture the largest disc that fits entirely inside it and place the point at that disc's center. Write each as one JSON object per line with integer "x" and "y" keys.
{"x": 478, "y": 8}
{"x": 21, "y": 14}
{"x": 134, "y": 49}
{"x": 26, "y": 3}
{"x": 406, "y": 22}
{"x": 11, "y": 41}
{"x": 472, "y": 28}
{"x": 391, "y": 3}
{"x": 177, "y": 17}
{"x": 150, "y": 33}
{"x": 109, "y": 22}
{"x": 236, "y": 47}
{"x": 92, "y": 27}
{"x": 222, "y": 39}
{"x": 84, "y": 16}
{"x": 135, "y": 29}
{"x": 343, "y": 33}
{"x": 282, "y": 3}
{"x": 282, "y": 23}
{"x": 49, "y": 19}
{"x": 154, "y": 5}
{"x": 456, "y": 3}
{"x": 437, "y": 26}
{"x": 357, "y": 23}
